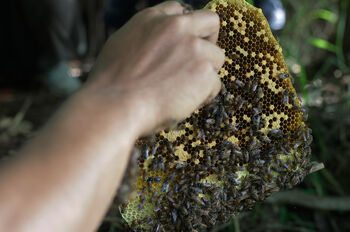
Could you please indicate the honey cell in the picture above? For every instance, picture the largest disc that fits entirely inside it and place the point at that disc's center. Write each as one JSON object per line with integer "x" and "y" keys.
{"x": 226, "y": 153}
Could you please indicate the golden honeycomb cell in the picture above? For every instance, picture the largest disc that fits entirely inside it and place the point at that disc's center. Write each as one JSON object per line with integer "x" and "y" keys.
{"x": 249, "y": 142}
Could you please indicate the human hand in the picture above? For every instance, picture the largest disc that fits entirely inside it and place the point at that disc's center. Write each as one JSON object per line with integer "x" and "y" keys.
{"x": 163, "y": 62}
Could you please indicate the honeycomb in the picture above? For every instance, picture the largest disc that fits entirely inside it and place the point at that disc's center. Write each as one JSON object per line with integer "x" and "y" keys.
{"x": 248, "y": 143}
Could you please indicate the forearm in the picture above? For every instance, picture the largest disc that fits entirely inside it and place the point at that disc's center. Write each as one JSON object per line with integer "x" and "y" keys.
{"x": 160, "y": 67}
{"x": 70, "y": 172}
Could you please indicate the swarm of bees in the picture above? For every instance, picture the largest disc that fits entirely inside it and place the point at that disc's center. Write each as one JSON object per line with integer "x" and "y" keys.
{"x": 250, "y": 142}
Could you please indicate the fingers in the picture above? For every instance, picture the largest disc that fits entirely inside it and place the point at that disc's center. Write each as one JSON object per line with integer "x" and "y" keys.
{"x": 170, "y": 8}
{"x": 205, "y": 24}
{"x": 202, "y": 23}
{"x": 213, "y": 54}
{"x": 214, "y": 92}
{"x": 210, "y": 87}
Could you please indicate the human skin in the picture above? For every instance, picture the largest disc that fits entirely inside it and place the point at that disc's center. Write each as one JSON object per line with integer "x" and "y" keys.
{"x": 157, "y": 69}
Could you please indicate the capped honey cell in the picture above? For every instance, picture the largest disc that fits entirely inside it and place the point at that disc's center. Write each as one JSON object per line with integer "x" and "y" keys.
{"x": 250, "y": 142}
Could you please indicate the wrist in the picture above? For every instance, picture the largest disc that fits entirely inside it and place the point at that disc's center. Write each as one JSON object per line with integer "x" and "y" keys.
{"x": 120, "y": 109}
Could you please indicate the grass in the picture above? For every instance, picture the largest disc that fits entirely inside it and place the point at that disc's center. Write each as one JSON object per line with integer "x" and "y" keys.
{"x": 323, "y": 44}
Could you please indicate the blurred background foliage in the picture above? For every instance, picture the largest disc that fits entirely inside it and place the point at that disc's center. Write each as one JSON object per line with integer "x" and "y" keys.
{"x": 316, "y": 43}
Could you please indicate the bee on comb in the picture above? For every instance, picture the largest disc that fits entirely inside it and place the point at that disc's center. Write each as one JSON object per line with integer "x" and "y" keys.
{"x": 250, "y": 142}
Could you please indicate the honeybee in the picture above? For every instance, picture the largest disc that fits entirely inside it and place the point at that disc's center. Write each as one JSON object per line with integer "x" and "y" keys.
{"x": 285, "y": 97}
{"x": 283, "y": 76}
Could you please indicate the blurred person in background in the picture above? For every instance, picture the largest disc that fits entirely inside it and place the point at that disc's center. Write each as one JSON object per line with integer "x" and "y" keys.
{"x": 50, "y": 37}
{"x": 41, "y": 36}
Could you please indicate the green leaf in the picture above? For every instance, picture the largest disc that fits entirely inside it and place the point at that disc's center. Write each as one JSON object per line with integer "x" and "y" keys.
{"x": 283, "y": 214}
{"x": 251, "y": 2}
{"x": 316, "y": 180}
{"x": 231, "y": 227}
{"x": 323, "y": 44}
{"x": 324, "y": 14}
{"x": 299, "y": 220}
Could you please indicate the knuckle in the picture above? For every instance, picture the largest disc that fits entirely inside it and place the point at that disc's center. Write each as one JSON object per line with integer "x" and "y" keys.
{"x": 195, "y": 46}
{"x": 177, "y": 23}
{"x": 205, "y": 67}
{"x": 173, "y": 4}
{"x": 151, "y": 12}
{"x": 215, "y": 17}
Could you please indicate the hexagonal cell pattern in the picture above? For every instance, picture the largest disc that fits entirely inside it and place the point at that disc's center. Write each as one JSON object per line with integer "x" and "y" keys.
{"x": 249, "y": 142}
